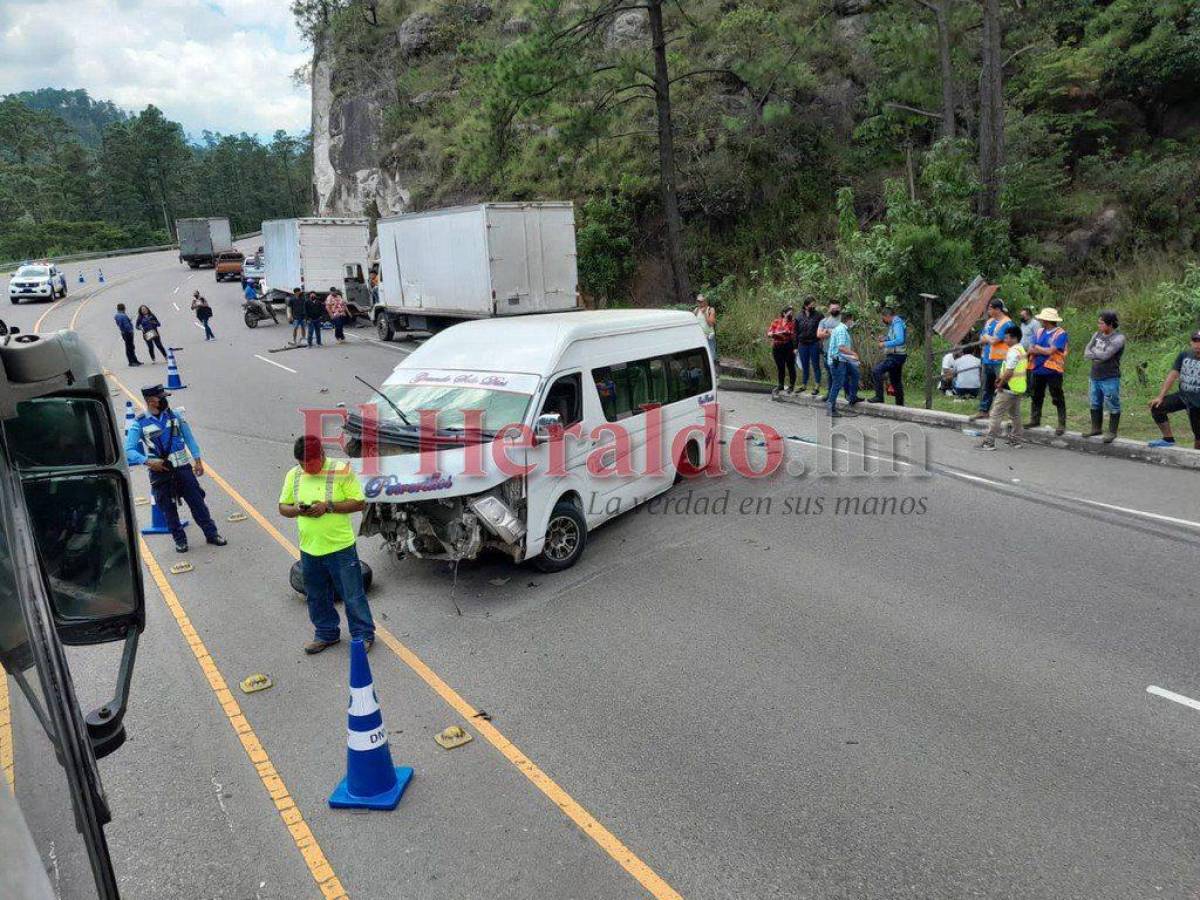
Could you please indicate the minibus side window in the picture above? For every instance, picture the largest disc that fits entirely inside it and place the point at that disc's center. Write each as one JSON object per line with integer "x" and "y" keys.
{"x": 627, "y": 388}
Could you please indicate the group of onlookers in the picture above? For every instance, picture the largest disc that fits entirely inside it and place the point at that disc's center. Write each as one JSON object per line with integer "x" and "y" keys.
{"x": 1015, "y": 359}
{"x": 147, "y": 323}
{"x": 307, "y": 313}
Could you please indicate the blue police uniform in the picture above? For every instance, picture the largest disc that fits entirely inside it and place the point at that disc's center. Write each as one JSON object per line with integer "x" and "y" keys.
{"x": 167, "y": 436}
{"x": 892, "y": 365}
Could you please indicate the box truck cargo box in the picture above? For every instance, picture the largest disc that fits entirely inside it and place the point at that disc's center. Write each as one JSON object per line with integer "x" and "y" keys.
{"x": 202, "y": 240}
{"x": 312, "y": 253}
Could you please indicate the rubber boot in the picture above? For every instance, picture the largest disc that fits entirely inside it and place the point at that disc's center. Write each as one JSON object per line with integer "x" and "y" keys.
{"x": 1062, "y": 423}
{"x": 1097, "y": 423}
{"x": 1114, "y": 422}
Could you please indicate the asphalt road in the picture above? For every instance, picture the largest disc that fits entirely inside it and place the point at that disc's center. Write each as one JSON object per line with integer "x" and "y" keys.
{"x": 742, "y": 692}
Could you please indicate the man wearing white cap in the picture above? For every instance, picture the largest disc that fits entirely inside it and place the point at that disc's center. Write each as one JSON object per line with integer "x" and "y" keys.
{"x": 1048, "y": 361}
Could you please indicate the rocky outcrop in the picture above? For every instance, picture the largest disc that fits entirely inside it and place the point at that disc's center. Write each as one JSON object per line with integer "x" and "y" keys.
{"x": 628, "y": 29}
{"x": 1108, "y": 229}
{"x": 416, "y": 35}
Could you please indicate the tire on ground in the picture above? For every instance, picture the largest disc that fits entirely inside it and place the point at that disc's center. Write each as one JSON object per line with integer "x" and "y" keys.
{"x": 296, "y": 579}
{"x": 568, "y": 530}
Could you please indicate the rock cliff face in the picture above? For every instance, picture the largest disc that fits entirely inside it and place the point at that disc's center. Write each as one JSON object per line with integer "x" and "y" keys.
{"x": 349, "y": 177}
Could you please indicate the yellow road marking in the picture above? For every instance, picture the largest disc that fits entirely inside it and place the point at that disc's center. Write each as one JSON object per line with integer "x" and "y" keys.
{"x": 6, "y": 744}
{"x": 318, "y": 866}
{"x": 604, "y": 838}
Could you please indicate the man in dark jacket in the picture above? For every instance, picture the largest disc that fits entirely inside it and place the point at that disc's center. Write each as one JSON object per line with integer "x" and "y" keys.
{"x": 125, "y": 326}
{"x": 808, "y": 346}
{"x": 314, "y": 312}
{"x": 295, "y": 305}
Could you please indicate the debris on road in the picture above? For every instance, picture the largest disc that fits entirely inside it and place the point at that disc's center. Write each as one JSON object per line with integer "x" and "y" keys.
{"x": 499, "y": 582}
{"x": 452, "y": 737}
{"x": 181, "y": 568}
{"x": 483, "y": 714}
{"x": 140, "y": 501}
{"x": 237, "y": 517}
{"x": 254, "y": 683}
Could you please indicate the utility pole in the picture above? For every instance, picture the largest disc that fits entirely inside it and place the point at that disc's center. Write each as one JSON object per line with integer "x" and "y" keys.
{"x": 929, "y": 298}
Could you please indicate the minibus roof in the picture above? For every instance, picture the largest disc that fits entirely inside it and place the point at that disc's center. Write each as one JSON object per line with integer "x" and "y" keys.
{"x": 535, "y": 343}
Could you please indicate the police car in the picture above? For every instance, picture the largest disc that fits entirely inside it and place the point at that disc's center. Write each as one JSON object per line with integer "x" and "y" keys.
{"x": 37, "y": 281}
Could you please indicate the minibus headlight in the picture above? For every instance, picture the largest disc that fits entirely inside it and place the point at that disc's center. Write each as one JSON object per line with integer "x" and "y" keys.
{"x": 499, "y": 518}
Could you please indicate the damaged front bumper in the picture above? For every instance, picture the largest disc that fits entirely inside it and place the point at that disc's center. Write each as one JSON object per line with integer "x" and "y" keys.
{"x": 453, "y": 528}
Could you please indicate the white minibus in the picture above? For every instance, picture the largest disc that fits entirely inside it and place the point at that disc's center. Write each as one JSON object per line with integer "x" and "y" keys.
{"x": 523, "y": 435}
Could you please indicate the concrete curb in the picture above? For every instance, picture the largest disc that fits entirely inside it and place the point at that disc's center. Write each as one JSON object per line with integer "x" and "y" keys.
{"x": 1176, "y": 457}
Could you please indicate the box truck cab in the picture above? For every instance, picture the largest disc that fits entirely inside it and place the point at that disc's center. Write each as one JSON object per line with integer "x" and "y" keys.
{"x": 546, "y": 427}
{"x": 472, "y": 262}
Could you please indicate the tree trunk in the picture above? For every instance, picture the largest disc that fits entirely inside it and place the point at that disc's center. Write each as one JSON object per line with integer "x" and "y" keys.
{"x": 991, "y": 112}
{"x": 666, "y": 156}
{"x": 943, "y": 33}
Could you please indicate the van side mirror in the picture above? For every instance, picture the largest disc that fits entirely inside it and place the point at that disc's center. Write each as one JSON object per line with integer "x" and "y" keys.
{"x": 76, "y": 493}
{"x": 546, "y": 427}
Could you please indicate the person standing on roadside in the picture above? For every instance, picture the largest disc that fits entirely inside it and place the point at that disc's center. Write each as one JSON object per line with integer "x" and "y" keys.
{"x": 707, "y": 317}
{"x": 162, "y": 439}
{"x": 125, "y": 326}
{"x": 203, "y": 314}
{"x": 339, "y": 313}
{"x": 832, "y": 320}
{"x": 295, "y": 305}
{"x": 895, "y": 355}
{"x": 992, "y": 351}
{"x": 1185, "y": 373}
{"x": 320, "y": 494}
{"x": 314, "y": 312}
{"x": 843, "y": 364}
{"x": 1009, "y": 388}
{"x": 1028, "y": 326}
{"x": 1104, "y": 385}
{"x": 782, "y": 335}
{"x": 808, "y": 345}
{"x": 149, "y": 325}
{"x": 1048, "y": 356}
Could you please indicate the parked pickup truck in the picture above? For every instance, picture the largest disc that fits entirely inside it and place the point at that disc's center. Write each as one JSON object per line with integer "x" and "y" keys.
{"x": 39, "y": 281}
{"x": 229, "y": 265}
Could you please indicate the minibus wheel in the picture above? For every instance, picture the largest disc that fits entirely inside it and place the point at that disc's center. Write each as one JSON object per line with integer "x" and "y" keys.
{"x": 566, "y": 536}
{"x": 691, "y": 454}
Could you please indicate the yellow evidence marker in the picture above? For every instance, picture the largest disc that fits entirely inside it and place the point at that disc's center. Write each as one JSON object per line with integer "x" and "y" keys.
{"x": 454, "y": 736}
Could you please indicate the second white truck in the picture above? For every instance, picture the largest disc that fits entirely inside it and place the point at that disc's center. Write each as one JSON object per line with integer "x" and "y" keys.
{"x": 475, "y": 262}
{"x": 312, "y": 253}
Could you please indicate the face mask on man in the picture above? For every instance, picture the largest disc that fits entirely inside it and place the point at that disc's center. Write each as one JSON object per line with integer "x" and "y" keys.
{"x": 312, "y": 465}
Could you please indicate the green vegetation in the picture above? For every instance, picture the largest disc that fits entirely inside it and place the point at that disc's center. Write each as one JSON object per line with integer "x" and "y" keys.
{"x": 79, "y": 175}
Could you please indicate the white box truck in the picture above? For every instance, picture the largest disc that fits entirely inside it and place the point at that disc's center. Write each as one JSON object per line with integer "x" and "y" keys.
{"x": 202, "y": 240}
{"x": 475, "y": 262}
{"x": 312, "y": 254}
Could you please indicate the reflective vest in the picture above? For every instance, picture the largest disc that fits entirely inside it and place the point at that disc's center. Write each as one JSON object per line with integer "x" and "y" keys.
{"x": 164, "y": 438}
{"x": 330, "y": 475}
{"x": 995, "y": 328}
{"x": 1057, "y": 360}
{"x": 1016, "y": 382}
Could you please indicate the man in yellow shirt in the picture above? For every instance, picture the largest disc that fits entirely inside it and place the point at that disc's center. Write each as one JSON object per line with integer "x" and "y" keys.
{"x": 320, "y": 494}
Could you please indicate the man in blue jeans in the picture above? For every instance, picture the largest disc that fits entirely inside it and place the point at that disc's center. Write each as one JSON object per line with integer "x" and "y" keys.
{"x": 843, "y": 364}
{"x": 321, "y": 494}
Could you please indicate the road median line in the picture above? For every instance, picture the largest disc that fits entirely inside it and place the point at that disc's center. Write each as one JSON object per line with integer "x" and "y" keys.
{"x": 605, "y": 839}
{"x": 318, "y": 866}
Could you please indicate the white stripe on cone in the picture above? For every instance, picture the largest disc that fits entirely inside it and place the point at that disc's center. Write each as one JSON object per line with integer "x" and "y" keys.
{"x": 363, "y": 701}
{"x": 367, "y": 740}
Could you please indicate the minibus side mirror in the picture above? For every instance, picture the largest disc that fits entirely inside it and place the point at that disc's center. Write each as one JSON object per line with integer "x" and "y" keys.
{"x": 546, "y": 426}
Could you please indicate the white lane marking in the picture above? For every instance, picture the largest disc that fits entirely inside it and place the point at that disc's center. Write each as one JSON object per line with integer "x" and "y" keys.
{"x": 1138, "y": 512}
{"x": 1171, "y": 695}
{"x": 271, "y": 362}
{"x": 846, "y": 450}
{"x": 198, "y": 325}
{"x": 176, "y": 291}
{"x": 176, "y": 305}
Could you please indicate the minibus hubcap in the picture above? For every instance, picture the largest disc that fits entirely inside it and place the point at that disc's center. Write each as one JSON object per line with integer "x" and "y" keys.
{"x": 563, "y": 538}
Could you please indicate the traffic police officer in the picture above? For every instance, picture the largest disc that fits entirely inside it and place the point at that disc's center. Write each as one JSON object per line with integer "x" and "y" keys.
{"x": 173, "y": 458}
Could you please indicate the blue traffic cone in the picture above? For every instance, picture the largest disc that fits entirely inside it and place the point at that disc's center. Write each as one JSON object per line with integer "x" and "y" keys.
{"x": 174, "y": 383}
{"x": 371, "y": 781}
{"x": 158, "y": 521}
{"x": 81, "y": 276}
{"x": 100, "y": 275}
{"x": 130, "y": 418}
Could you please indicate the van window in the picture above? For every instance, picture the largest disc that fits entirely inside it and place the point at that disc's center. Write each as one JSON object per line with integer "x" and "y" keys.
{"x": 627, "y": 388}
{"x": 565, "y": 399}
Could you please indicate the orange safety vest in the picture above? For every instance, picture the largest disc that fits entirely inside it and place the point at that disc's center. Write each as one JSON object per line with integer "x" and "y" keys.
{"x": 995, "y": 328}
{"x": 1057, "y": 360}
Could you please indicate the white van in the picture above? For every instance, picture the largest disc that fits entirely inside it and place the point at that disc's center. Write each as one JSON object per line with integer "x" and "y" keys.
{"x": 546, "y": 428}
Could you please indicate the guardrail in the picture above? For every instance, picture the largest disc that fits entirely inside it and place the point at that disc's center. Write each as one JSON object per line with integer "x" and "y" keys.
{"x": 105, "y": 254}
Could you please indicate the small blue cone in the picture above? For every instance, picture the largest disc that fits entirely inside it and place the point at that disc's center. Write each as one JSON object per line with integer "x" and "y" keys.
{"x": 130, "y": 418}
{"x": 100, "y": 277}
{"x": 174, "y": 382}
{"x": 81, "y": 276}
{"x": 158, "y": 521}
{"x": 371, "y": 781}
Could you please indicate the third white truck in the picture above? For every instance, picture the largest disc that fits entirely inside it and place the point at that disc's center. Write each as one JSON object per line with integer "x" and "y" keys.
{"x": 475, "y": 262}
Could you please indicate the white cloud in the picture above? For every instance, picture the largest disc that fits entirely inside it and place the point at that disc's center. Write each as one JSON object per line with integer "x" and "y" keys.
{"x": 221, "y": 65}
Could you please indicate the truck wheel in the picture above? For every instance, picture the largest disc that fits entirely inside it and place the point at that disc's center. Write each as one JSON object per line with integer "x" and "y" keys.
{"x": 296, "y": 579}
{"x": 566, "y": 536}
{"x": 193, "y": 265}
{"x": 251, "y": 319}
{"x": 13, "y": 300}
{"x": 384, "y": 326}
{"x": 690, "y": 455}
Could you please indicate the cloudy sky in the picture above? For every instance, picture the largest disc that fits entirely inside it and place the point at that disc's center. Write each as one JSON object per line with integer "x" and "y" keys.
{"x": 224, "y": 65}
